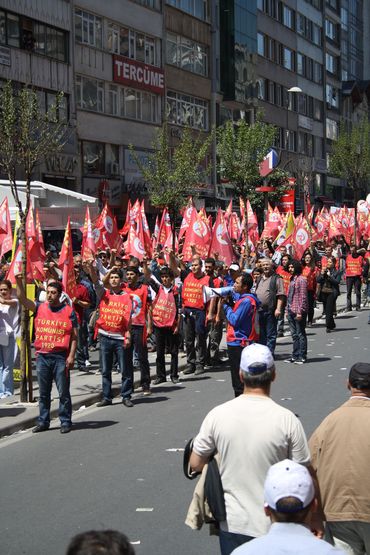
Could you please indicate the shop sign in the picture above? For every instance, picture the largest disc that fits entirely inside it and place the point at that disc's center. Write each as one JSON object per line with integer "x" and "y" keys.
{"x": 137, "y": 75}
{"x": 286, "y": 203}
{"x": 61, "y": 163}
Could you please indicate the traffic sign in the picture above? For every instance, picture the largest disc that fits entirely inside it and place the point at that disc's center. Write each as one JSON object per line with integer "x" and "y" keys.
{"x": 269, "y": 163}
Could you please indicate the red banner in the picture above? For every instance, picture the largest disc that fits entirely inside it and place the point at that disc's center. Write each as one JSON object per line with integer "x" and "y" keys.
{"x": 138, "y": 75}
{"x": 286, "y": 203}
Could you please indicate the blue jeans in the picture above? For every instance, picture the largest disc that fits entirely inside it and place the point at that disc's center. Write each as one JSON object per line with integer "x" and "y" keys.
{"x": 109, "y": 346}
{"x": 7, "y": 356}
{"x": 268, "y": 329}
{"x": 139, "y": 345}
{"x": 298, "y": 331}
{"x": 82, "y": 353}
{"x": 230, "y": 541}
{"x": 52, "y": 366}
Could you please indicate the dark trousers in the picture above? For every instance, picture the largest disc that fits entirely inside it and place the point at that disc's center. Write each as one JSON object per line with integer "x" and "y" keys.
{"x": 165, "y": 338}
{"x": 298, "y": 331}
{"x": 82, "y": 353}
{"x": 328, "y": 301}
{"x": 141, "y": 349}
{"x": 353, "y": 281}
{"x": 268, "y": 329}
{"x": 112, "y": 348}
{"x": 49, "y": 367}
{"x": 214, "y": 340}
{"x": 196, "y": 344}
{"x": 235, "y": 353}
{"x": 230, "y": 541}
{"x": 311, "y": 306}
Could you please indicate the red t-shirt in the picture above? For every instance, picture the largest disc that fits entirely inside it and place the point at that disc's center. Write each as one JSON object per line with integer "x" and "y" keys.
{"x": 82, "y": 294}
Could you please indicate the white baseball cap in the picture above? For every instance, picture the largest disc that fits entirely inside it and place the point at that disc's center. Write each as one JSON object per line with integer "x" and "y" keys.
{"x": 288, "y": 479}
{"x": 256, "y": 359}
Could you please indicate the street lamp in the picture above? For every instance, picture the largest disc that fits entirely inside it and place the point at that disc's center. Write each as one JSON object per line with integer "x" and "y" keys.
{"x": 291, "y": 90}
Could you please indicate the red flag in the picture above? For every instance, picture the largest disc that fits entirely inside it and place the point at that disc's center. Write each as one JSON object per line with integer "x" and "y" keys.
{"x": 164, "y": 227}
{"x": 186, "y": 218}
{"x": 146, "y": 231}
{"x": 126, "y": 226}
{"x": 66, "y": 263}
{"x": 35, "y": 254}
{"x": 197, "y": 234}
{"x": 221, "y": 242}
{"x": 234, "y": 226}
{"x": 155, "y": 234}
{"x": 108, "y": 226}
{"x": 300, "y": 238}
{"x": 88, "y": 247}
{"x": 40, "y": 238}
{"x": 6, "y": 238}
{"x": 135, "y": 242}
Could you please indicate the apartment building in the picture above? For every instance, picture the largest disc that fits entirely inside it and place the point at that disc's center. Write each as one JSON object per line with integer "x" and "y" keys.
{"x": 35, "y": 50}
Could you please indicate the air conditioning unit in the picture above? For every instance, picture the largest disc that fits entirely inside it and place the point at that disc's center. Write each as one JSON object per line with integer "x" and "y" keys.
{"x": 114, "y": 168}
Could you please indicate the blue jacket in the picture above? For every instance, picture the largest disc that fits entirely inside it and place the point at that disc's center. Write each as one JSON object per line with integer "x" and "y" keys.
{"x": 241, "y": 318}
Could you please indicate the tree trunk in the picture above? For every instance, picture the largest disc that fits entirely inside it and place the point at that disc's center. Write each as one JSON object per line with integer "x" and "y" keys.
{"x": 24, "y": 315}
{"x": 355, "y": 196}
{"x": 246, "y": 244}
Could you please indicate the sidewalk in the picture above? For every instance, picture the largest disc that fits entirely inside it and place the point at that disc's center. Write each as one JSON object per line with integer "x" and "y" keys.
{"x": 86, "y": 389}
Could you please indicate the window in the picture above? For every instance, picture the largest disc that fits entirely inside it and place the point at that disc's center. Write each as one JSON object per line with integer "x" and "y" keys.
{"x": 316, "y": 34}
{"x": 288, "y": 17}
{"x": 260, "y": 44}
{"x": 301, "y": 65}
{"x": 131, "y": 44}
{"x": 187, "y": 54}
{"x": 187, "y": 110}
{"x": 331, "y": 63}
{"x": 331, "y": 30}
{"x": 112, "y": 100}
{"x": 318, "y": 147}
{"x": 93, "y": 161}
{"x": 317, "y": 109}
{"x": 261, "y": 89}
{"x": 88, "y": 28}
{"x": 331, "y": 129}
{"x": 317, "y": 73}
{"x": 197, "y": 8}
{"x": 332, "y": 96}
{"x": 344, "y": 19}
{"x": 288, "y": 58}
{"x": 112, "y": 159}
{"x": 89, "y": 94}
{"x": 13, "y": 30}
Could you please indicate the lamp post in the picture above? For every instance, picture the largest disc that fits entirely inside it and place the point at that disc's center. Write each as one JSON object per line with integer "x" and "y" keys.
{"x": 294, "y": 90}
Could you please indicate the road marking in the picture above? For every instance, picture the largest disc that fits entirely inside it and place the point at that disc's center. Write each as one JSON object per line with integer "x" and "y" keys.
{"x": 138, "y": 542}
{"x": 338, "y": 356}
{"x": 286, "y": 399}
{"x": 144, "y": 509}
{"x": 220, "y": 380}
{"x": 175, "y": 449}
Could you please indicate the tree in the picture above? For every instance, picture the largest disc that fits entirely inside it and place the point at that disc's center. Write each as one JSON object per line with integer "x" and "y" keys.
{"x": 241, "y": 148}
{"x": 27, "y": 137}
{"x": 350, "y": 158}
{"x": 173, "y": 172}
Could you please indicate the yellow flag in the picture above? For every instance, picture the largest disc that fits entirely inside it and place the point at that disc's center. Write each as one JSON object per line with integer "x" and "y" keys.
{"x": 286, "y": 231}
{"x": 17, "y": 225}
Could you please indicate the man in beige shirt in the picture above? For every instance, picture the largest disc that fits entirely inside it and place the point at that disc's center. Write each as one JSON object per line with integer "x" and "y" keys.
{"x": 270, "y": 291}
{"x": 340, "y": 454}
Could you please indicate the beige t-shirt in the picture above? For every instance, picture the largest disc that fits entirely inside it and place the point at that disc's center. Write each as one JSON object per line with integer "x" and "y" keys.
{"x": 250, "y": 433}
{"x": 340, "y": 449}
{"x": 263, "y": 290}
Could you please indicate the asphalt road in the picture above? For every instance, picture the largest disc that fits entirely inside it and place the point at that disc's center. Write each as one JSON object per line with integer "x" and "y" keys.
{"x": 120, "y": 468}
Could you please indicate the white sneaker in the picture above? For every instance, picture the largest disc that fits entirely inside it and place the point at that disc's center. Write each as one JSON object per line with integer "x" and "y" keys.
{"x": 87, "y": 363}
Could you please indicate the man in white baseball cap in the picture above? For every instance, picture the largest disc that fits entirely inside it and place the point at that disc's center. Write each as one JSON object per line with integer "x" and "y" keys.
{"x": 289, "y": 502}
{"x": 250, "y": 433}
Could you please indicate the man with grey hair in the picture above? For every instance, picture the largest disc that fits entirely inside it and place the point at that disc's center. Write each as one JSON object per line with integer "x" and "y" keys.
{"x": 270, "y": 291}
{"x": 249, "y": 433}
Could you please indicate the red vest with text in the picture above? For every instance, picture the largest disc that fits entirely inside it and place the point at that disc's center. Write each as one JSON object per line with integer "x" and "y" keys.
{"x": 354, "y": 266}
{"x": 164, "y": 308}
{"x": 139, "y": 297}
{"x": 310, "y": 275}
{"x": 53, "y": 329}
{"x": 286, "y": 277}
{"x": 114, "y": 313}
{"x": 192, "y": 292}
{"x": 255, "y": 328}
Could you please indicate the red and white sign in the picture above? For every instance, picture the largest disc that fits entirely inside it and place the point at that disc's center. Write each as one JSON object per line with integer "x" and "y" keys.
{"x": 138, "y": 75}
{"x": 286, "y": 203}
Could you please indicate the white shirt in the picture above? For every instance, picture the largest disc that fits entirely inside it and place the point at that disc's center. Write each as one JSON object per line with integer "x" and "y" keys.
{"x": 9, "y": 319}
{"x": 250, "y": 433}
{"x": 287, "y": 539}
